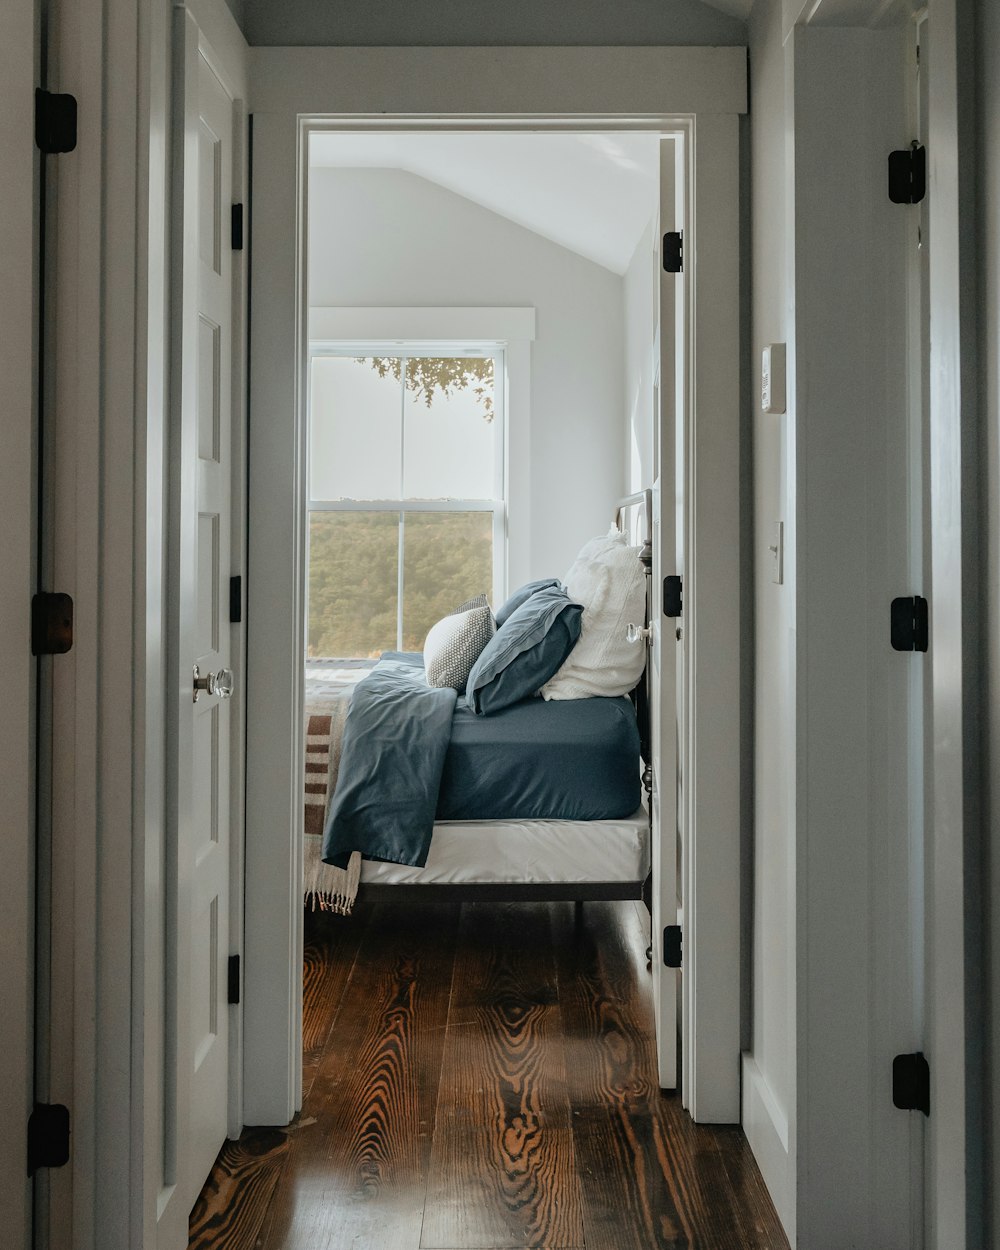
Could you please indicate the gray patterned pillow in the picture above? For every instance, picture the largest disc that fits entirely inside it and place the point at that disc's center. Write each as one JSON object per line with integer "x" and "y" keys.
{"x": 454, "y": 644}
{"x": 477, "y": 601}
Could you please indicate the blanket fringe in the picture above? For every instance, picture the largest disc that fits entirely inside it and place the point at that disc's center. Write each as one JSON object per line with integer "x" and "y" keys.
{"x": 327, "y": 888}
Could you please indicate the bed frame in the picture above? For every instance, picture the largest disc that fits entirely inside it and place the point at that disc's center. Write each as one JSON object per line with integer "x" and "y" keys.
{"x": 548, "y": 892}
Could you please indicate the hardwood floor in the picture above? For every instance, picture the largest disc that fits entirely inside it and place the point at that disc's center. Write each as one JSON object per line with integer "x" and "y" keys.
{"x": 482, "y": 1077}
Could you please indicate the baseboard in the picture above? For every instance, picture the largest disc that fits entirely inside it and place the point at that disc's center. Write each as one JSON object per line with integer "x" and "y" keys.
{"x": 766, "y": 1129}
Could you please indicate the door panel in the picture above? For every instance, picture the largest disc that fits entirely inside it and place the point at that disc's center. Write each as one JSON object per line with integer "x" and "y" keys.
{"x": 199, "y": 923}
{"x": 209, "y": 845}
{"x": 664, "y": 688}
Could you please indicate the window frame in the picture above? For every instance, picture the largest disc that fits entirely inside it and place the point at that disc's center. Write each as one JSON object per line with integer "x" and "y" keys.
{"x": 497, "y": 506}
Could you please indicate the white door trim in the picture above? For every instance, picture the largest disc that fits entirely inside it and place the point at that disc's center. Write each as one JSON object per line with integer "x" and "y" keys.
{"x": 711, "y": 629}
{"x": 466, "y": 86}
{"x": 18, "y": 397}
{"x": 97, "y": 527}
{"x": 955, "y": 988}
{"x": 664, "y": 659}
{"x": 652, "y": 89}
{"x": 108, "y": 396}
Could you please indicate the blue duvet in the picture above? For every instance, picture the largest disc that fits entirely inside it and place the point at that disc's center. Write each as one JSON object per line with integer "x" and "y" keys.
{"x": 410, "y": 756}
{"x": 395, "y": 740}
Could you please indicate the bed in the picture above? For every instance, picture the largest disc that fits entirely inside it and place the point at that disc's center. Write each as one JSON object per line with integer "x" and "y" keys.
{"x": 541, "y": 800}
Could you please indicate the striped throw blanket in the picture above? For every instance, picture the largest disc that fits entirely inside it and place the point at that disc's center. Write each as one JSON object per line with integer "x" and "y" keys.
{"x": 328, "y": 697}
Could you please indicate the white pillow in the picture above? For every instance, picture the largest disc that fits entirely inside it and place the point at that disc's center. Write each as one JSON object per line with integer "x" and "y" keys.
{"x": 609, "y": 581}
{"x": 453, "y": 645}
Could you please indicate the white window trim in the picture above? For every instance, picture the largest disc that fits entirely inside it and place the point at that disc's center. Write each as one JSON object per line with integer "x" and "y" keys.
{"x": 432, "y": 325}
{"x": 496, "y": 505}
{"x": 512, "y": 329}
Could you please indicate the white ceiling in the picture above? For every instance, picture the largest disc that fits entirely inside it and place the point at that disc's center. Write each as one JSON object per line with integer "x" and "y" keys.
{"x": 591, "y": 193}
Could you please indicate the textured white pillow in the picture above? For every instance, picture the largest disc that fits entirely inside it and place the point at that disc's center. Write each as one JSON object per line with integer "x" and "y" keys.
{"x": 609, "y": 581}
{"x": 453, "y": 645}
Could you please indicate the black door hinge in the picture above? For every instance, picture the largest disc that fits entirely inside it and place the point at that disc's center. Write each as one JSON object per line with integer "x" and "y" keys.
{"x": 235, "y": 600}
{"x": 673, "y": 251}
{"x": 673, "y": 591}
{"x": 48, "y": 1137}
{"x": 908, "y": 624}
{"x": 51, "y": 624}
{"x": 911, "y": 1083}
{"x": 672, "y": 946}
{"x": 236, "y": 229}
{"x": 908, "y": 174}
{"x": 233, "y": 988}
{"x": 55, "y": 122}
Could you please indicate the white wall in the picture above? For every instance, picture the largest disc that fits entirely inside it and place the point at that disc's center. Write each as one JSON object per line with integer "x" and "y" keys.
{"x": 385, "y": 238}
{"x": 640, "y": 299}
{"x": 988, "y": 43}
{"x": 480, "y": 22}
{"x": 769, "y": 1085}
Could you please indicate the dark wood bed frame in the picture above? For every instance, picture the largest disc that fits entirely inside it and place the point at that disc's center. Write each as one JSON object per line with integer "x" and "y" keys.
{"x": 551, "y": 892}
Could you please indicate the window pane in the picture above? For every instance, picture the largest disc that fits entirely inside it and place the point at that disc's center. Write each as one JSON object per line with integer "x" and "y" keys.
{"x": 448, "y": 430}
{"x": 354, "y": 420}
{"x": 353, "y": 567}
{"x": 447, "y": 558}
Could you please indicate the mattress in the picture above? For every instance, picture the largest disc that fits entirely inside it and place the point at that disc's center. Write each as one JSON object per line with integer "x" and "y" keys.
{"x": 526, "y": 852}
{"x": 567, "y": 760}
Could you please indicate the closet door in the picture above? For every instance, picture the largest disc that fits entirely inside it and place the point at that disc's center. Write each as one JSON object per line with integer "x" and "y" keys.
{"x": 666, "y": 656}
{"x": 198, "y": 925}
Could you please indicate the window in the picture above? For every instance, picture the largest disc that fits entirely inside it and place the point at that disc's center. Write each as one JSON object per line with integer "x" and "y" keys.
{"x": 406, "y": 491}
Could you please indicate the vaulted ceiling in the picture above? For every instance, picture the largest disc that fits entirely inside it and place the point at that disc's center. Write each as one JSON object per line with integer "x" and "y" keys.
{"x": 591, "y": 193}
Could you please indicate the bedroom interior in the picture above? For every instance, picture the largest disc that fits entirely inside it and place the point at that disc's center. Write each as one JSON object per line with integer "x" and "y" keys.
{"x": 451, "y": 220}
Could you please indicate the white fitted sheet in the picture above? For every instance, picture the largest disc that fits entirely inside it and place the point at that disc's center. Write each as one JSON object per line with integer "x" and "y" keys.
{"x": 526, "y": 852}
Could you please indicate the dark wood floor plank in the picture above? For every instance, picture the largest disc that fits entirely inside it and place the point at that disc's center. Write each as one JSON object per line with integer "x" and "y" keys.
{"x": 629, "y": 1198}
{"x": 650, "y": 1176}
{"x": 358, "y": 1162}
{"x": 231, "y": 1208}
{"x": 751, "y": 1200}
{"x": 605, "y": 997}
{"x": 503, "y": 1171}
{"x": 550, "y": 1128}
{"x": 330, "y": 949}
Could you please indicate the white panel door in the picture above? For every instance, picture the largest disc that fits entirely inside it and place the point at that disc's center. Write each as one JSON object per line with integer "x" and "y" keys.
{"x": 666, "y": 685}
{"x": 208, "y": 848}
{"x": 198, "y": 1024}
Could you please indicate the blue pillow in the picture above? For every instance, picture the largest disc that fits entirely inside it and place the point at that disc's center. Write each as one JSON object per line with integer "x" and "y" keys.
{"x": 522, "y": 596}
{"x": 526, "y": 650}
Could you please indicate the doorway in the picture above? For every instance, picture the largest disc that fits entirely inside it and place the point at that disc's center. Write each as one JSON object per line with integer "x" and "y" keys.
{"x": 274, "y": 525}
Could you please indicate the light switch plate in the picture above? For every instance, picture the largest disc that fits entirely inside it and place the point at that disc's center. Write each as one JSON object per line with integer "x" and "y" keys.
{"x": 772, "y": 378}
{"x": 776, "y": 550}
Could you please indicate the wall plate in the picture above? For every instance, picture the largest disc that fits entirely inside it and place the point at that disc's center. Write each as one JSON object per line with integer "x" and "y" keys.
{"x": 776, "y": 550}
{"x": 772, "y": 378}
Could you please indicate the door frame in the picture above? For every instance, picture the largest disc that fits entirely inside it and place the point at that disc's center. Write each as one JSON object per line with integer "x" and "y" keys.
{"x": 956, "y": 1166}
{"x": 96, "y": 521}
{"x": 18, "y": 401}
{"x": 657, "y": 89}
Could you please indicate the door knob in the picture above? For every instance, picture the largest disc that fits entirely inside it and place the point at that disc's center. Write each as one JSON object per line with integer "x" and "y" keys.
{"x": 220, "y": 683}
{"x": 638, "y": 633}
